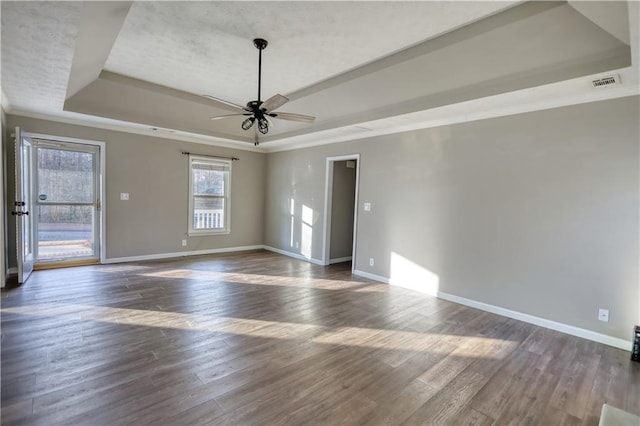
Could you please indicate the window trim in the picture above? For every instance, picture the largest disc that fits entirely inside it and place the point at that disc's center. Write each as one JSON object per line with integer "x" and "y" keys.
{"x": 227, "y": 197}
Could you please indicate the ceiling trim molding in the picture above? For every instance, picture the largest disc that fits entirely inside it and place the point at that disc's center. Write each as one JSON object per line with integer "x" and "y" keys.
{"x": 501, "y": 86}
{"x": 360, "y": 130}
{"x": 137, "y": 129}
{"x": 298, "y": 142}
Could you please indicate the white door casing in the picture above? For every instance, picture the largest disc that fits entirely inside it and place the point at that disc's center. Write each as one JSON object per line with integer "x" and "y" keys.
{"x": 22, "y": 210}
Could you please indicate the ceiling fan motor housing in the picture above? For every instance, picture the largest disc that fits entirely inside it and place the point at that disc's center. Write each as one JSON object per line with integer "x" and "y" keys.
{"x": 260, "y": 43}
{"x": 254, "y": 105}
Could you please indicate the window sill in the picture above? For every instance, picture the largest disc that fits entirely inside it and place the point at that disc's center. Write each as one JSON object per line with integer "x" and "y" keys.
{"x": 207, "y": 233}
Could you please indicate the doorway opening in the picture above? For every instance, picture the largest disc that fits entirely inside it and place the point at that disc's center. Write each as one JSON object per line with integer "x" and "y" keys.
{"x": 66, "y": 201}
{"x": 64, "y": 183}
{"x": 340, "y": 216}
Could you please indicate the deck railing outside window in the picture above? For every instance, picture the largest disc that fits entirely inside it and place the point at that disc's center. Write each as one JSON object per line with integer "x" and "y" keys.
{"x": 208, "y": 219}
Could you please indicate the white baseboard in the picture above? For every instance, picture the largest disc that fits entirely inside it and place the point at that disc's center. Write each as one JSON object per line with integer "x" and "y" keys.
{"x": 371, "y": 276}
{"x": 542, "y": 322}
{"x": 180, "y": 254}
{"x": 340, "y": 260}
{"x": 294, "y": 255}
{"x": 531, "y": 319}
{"x": 202, "y": 252}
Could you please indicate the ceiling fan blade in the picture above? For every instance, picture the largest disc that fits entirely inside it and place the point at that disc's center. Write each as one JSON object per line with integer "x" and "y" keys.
{"x": 274, "y": 102}
{"x": 222, "y": 101}
{"x": 218, "y": 117}
{"x": 293, "y": 117}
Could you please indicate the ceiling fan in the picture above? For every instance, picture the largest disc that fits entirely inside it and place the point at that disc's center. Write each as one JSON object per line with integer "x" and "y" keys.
{"x": 259, "y": 112}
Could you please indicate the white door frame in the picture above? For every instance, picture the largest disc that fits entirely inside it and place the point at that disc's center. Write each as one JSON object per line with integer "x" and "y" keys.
{"x": 3, "y": 199}
{"x": 328, "y": 194}
{"x": 23, "y": 205}
{"x": 101, "y": 181}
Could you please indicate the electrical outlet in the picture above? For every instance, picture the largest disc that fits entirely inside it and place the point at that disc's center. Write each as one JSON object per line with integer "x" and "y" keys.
{"x": 124, "y": 196}
{"x": 371, "y": 261}
{"x": 184, "y": 243}
{"x": 603, "y": 315}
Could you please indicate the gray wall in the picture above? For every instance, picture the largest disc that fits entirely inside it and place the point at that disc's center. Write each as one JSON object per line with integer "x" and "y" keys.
{"x": 535, "y": 212}
{"x": 342, "y": 206}
{"x": 299, "y": 176}
{"x": 155, "y": 174}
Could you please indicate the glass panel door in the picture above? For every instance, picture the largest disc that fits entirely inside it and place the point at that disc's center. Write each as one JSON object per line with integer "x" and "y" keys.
{"x": 66, "y": 201}
{"x": 22, "y": 206}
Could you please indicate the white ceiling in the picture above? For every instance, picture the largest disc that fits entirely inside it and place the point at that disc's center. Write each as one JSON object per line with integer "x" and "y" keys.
{"x": 205, "y": 47}
{"x": 38, "y": 39}
{"x": 360, "y": 68}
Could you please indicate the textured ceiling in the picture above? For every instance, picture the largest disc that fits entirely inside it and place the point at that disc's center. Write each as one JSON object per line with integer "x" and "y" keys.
{"x": 359, "y": 67}
{"x": 38, "y": 40}
{"x": 205, "y": 47}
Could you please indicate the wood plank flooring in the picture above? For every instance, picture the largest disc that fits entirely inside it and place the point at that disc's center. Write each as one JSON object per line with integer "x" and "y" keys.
{"x": 258, "y": 338}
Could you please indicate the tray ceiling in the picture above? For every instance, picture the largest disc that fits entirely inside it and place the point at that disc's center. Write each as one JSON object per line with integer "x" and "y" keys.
{"x": 355, "y": 66}
{"x": 205, "y": 47}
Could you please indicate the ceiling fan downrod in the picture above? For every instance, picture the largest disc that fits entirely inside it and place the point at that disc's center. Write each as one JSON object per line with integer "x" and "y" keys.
{"x": 260, "y": 44}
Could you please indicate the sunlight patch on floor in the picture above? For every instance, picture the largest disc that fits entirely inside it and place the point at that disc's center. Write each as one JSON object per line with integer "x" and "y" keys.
{"x": 373, "y": 288}
{"x": 255, "y": 279}
{"x": 121, "y": 268}
{"x": 349, "y": 336}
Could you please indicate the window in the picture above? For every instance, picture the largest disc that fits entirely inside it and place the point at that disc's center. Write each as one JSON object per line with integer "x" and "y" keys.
{"x": 209, "y": 183}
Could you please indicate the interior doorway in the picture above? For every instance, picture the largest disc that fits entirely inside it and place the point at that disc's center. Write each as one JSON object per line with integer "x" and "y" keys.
{"x": 341, "y": 201}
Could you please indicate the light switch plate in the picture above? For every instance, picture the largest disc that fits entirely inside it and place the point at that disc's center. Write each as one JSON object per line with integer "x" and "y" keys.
{"x": 124, "y": 196}
{"x": 367, "y": 207}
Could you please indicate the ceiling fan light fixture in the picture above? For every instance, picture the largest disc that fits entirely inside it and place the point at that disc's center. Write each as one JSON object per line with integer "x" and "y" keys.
{"x": 246, "y": 124}
{"x": 261, "y": 111}
{"x": 263, "y": 126}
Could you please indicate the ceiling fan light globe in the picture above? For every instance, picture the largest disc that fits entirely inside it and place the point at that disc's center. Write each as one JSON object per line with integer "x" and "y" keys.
{"x": 246, "y": 124}
{"x": 263, "y": 126}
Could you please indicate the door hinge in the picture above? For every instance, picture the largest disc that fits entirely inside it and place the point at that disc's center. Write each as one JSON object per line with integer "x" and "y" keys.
{"x": 98, "y": 204}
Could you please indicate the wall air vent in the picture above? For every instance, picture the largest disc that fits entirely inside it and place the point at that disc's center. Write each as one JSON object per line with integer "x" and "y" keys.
{"x": 606, "y": 81}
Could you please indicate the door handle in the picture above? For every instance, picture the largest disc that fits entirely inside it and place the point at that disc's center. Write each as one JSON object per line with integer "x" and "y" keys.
{"x": 19, "y": 213}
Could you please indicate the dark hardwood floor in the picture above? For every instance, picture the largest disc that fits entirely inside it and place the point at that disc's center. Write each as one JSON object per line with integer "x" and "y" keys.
{"x": 258, "y": 338}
